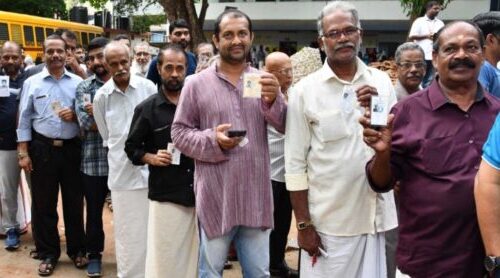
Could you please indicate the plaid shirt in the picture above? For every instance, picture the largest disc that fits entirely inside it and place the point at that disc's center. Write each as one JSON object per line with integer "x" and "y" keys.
{"x": 94, "y": 154}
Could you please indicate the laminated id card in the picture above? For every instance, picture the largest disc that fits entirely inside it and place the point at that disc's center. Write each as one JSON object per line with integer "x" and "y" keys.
{"x": 379, "y": 111}
{"x": 176, "y": 154}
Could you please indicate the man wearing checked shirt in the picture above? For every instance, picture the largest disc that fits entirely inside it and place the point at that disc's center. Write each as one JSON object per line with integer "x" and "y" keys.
{"x": 49, "y": 148}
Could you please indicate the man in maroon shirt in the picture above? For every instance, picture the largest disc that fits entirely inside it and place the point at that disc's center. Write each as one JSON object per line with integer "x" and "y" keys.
{"x": 432, "y": 146}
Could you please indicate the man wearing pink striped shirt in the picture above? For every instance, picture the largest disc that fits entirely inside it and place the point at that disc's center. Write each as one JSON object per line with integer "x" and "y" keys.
{"x": 232, "y": 177}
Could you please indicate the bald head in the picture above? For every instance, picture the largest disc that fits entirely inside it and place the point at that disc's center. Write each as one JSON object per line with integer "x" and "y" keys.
{"x": 11, "y": 58}
{"x": 279, "y": 64}
{"x": 11, "y": 45}
{"x": 114, "y": 48}
{"x": 117, "y": 63}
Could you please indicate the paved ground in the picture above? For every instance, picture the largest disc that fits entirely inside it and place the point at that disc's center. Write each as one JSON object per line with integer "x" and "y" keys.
{"x": 18, "y": 264}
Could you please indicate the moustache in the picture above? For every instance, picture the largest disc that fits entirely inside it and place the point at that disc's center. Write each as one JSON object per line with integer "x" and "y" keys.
{"x": 344, "y": 45}
{"x": 462, "y": 62}
{"x": 120, "y": 72}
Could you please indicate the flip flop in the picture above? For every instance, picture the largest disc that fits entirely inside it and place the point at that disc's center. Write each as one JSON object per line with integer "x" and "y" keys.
{"x": 49, "y": 264}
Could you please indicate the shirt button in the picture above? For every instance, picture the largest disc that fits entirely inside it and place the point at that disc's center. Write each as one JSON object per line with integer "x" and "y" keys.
{"x": 189, "y": 170}
{"x": 476, "y": 167}
{"x": 466, "y": 115}
{"x": 471, "y": 141}
{"x": 191, "y": 185}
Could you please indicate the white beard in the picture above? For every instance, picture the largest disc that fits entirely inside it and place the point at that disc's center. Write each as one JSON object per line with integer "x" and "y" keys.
{"x": 139, "y": 69}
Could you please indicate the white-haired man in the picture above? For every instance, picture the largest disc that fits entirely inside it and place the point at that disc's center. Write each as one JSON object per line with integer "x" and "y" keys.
{"x": 142, "y": 59}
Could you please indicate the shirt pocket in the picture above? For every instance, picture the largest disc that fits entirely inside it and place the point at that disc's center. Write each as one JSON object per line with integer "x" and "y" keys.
{"x": 442, "y": 155}
{"x": 116, "y": 123}
{"x": 161, "y": 137}
{"x": 332, "y": 126}
{"x": 40, "y": 103}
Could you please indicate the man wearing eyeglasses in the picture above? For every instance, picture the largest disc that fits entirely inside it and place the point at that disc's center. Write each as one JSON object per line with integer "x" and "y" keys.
{"x": 489, "y": 76}
{"x": 410, "y": 69}
{"x": 340, "y": 220}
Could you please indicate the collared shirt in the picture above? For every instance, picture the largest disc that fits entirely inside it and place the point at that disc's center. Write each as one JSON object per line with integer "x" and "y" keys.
{"x": 154, "y": 76}
{"x": 424, "y": 26}
{"x": 276, "y": 142}
{"x": 491, "y": 149}
{"x": 8, "y": 113}
{"x": 232, "y": 187}
{"x": 36, "y": 111}
{"x": 150, "y": 132}
{"x": 489, "y": 77}
{"x": 113, "y": 111}
{"x": 94, "y": 154}
{"x": 435, "y": 154}
{"x": 325, "y": 153}
{"x": 401, "y": 91}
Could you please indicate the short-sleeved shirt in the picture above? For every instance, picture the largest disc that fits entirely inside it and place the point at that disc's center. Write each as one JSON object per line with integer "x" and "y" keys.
{"x": 435, "y": 154}
{"x": 424, "y": 26}
{"x": 8, "y": 113}
{"x": 489, "y": 77}
{"x": 491, "y": 149}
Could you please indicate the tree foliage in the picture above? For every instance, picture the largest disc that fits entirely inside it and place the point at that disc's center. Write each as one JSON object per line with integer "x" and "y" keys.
{"x": 416, "y": 8}
{"x": 142, "y": 22}
{"x": 47, "y": 8}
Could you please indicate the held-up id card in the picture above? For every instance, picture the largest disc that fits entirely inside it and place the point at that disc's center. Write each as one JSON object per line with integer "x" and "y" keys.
{"x": 251, "y": 85}
{"x": 379, "y": 111}
{"x": 56, "y": 106}
{"x": 86, "y": 99}
{"x": 176, "y": 154}
{"x": 4, "y": 86}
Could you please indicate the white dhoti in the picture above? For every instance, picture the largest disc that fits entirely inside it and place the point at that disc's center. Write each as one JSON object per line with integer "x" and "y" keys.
{"x": 173, "y": 241}
{"x": 130, "y": 216}
{"x": 355, "y": 257}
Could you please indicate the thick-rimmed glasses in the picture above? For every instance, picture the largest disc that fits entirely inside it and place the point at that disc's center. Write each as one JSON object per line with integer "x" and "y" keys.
{"x": 336, "y": 34}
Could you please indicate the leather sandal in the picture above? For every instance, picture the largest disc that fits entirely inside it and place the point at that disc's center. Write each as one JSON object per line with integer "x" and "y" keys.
{"x": 80, "y": 260}
{"x": 47, "y": 266}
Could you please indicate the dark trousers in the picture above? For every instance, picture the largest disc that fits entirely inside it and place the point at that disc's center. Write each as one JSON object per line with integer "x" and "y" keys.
{"x": 429, "y": 74}
{"x": 54, "y": 167}
{"x": 96, "y": 189}
{"x": 282, "y": 219}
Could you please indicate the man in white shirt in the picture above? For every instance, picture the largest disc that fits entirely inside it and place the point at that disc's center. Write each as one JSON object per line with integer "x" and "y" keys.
{"x": 114, "y": 105}
{"x": 142, "y": 59}
{"x": 422, "y": 32}
{"x": 340, "y": 220}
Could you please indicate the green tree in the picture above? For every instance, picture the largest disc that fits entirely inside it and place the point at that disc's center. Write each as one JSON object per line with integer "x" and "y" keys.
{"x": 416, "y": 8}
{"x": 142, "y": 22}
{"x": 173, "y": 9}
{"x": 47, "y": 8}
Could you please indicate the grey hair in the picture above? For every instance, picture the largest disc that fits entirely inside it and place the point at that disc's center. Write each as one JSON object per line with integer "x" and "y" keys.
{"x": 113, "y": 45}
{"x": 407, "y": 46}
{"x": 142, "y": 44}
{"x": 334, "y": 6}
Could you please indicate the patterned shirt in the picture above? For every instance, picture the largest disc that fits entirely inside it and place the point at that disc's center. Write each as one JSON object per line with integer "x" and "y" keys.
{"x": 94, "y": 154}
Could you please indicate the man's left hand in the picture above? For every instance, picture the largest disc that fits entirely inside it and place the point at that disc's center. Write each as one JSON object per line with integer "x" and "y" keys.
{"x": 67, "y": 114}
{"x": 364, "y": 95}
{"x": 89, "y": 108}
{"x": 270, "y": 87}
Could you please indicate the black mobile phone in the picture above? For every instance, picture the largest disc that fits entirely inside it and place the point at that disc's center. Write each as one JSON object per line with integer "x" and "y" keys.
{"x": 236, "y": 133}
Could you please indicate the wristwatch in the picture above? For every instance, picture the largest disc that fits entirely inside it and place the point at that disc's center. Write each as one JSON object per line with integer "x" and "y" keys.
{"x": 491, "y": 263}
{"x": 304, "y": 225}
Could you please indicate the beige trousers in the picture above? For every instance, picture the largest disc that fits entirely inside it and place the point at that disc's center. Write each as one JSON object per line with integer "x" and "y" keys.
{"x": 172, "y": 241}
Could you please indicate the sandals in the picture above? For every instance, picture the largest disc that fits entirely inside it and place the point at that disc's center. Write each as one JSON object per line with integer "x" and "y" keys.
{"x": 48, "y": 264}
{"x": 79, "y": 260}
{"x": 34, "y": 254}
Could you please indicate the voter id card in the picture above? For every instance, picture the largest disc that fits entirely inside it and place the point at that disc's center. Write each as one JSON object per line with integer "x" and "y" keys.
{"x": 176, "y": 154}
{"x": 56, "y": 106}
{"x": 379, "y": 111}
{"x": 251, "y": 85}
{"x": 86, "y": 98}
{"x": 4, "y": 86}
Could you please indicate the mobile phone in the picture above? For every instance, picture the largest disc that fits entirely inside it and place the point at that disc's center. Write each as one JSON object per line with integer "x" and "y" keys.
{"x": 379, "y": 112}
{"x": 236, "y": 133}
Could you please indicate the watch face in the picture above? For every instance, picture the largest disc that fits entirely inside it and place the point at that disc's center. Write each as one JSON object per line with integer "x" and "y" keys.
{"x": 489, "y": 263}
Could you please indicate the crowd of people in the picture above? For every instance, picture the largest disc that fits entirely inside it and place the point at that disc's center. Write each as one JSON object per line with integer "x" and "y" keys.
{"x": 195, "y": 162}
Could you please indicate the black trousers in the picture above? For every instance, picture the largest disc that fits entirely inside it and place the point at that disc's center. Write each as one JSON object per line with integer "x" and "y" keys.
{"x": 54, "y": 167}
{"x": 96, "y": 189}
{"x": 282, "y": 219}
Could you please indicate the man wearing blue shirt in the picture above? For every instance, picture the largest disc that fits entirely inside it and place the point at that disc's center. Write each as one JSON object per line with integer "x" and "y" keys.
{"x": 49, "y": 149}
{"x": 179, "y": 34}
{"x": 487, "y": 194}
{"x": 489, "y": 77}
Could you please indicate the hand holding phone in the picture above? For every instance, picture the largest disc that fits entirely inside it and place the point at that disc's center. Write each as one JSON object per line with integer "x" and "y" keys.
{"x": 236, "y": 133}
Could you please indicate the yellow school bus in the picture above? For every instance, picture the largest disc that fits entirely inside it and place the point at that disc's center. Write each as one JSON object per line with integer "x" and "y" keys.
{"x": 30, "y": 31}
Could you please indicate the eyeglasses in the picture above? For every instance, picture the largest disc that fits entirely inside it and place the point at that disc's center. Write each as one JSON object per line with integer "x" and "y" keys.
{"x": 409, "y": 65}
{"x": 139, "y": 54}
{"x": 287, "y": 72}
{"x": 336, "y": 34}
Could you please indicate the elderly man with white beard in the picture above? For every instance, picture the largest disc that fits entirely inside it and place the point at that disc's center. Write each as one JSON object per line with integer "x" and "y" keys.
{"x": 142, "y": 59}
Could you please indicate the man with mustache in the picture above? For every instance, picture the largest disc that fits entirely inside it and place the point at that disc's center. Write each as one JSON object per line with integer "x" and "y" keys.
{"x": 49, "y": 148}
{"x": 410, "y": 69}
{"x": 178, "y": 34}
{"x": 94, "y": 166}
{"x": 10, "y": 60}
{"x": 113, "y": 109}
{"x": 172, "y": 229}
{"x": 233, "y": 184}
{"x": 432, "y": 147}
{"x": 142, "y": 58}
{"x": 422, "y": 32}
{"x": 489, "y": 77}
{"x": 338, "y": 216}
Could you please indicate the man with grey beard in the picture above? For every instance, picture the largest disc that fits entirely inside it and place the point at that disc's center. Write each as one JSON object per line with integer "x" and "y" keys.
{"x": 142, "y": 59}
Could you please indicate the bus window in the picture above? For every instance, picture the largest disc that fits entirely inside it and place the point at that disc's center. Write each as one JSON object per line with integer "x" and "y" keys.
{"x": 40, "y": 35}
{"x": 29, "y": 37}
{"x": 49, "y": 31}
{"x": 85, "y": 40}
{"x": 91, "y": 36}
{"x": 4, "y": 32}
{"x": 78, "y": 38}
{"x": 16, "y": 33}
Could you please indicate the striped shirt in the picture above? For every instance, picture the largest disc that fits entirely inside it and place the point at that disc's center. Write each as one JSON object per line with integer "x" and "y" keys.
{"x": 232, "y": 187}
{"x": 94, "y": 154}
{"x": 276, "y": 153}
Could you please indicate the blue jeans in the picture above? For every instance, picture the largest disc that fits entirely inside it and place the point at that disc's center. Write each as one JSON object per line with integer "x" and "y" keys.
{"x": 429, "y": 74}
{"x": 252, "y": 246}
